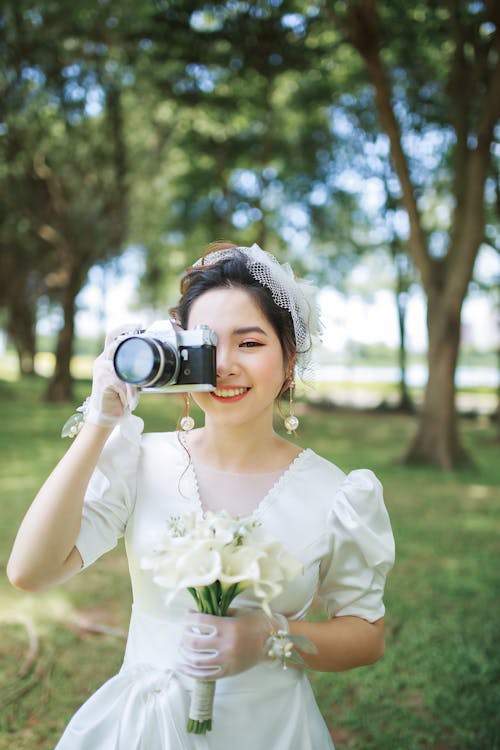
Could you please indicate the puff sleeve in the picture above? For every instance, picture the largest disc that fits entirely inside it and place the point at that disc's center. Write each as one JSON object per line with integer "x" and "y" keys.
{"x": 361, "y": 549}
{"x": 110, "y": 496}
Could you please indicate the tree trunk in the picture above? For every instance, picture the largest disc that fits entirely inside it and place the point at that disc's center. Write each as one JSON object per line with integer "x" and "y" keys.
{"x": 60, "y": 387}
{"x": 437, "y": 440}
{"x": 26, "y": 356}
{"x": 22, "y": 322}
{"x": 405, "y": 403}
{"x": 496, "y": 414}
{"x": 401, "y": 265}
{"x": 21, "y": 329}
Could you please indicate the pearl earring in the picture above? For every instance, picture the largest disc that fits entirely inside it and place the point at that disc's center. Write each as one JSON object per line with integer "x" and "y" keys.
{"x": 187, "y": 421}
{"x": 291, "y": 422}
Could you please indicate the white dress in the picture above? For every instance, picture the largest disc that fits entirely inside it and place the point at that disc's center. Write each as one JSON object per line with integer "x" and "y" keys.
{"x": 338, "y": 527}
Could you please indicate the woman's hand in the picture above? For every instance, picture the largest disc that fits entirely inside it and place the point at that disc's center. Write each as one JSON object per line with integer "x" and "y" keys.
{"x": 214, "y": 647}
{"x": 110, "y": 398}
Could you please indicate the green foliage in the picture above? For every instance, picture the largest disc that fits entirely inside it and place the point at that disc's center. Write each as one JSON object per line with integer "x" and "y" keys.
{"x": 232, "y": 117}
{"x": 438, "y": 684}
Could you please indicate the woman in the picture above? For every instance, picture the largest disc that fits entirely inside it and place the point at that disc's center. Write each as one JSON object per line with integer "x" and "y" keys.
{"x": 125, "y": 483}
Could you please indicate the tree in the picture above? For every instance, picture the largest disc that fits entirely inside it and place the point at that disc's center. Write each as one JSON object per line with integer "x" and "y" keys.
{"x": 24, "y": 259}
{"x": 448, "y": 91}
{"x": 230, "y": 147}
{"x": 85, "y": 218}
{"x": 65, "y": 161}
{"x": 21, "y": 283}
{"x": 404, "y": 280}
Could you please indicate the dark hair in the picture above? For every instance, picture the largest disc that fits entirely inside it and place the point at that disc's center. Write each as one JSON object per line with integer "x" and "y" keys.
{"x": 232, "y": 272}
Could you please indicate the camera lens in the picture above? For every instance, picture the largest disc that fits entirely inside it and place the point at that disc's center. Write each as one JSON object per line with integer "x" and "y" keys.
{"x": 144, "y": 362}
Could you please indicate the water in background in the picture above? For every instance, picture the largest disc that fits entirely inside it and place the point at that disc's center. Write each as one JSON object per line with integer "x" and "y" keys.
{"x": 416, "y": 375}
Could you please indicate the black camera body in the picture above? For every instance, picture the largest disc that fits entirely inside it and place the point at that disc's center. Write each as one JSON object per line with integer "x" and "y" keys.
{"x": 166, "y": 359}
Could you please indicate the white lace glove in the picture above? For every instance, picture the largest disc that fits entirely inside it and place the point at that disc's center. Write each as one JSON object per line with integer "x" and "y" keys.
{"x": 110, "y": 398}
{"x": 214, "y": 647}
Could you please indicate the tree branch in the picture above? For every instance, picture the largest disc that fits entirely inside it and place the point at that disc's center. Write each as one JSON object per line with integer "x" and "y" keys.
{"x": 472, "y": 219}
{"x": 459, "y": 94}
{"x": 363, "y": 32}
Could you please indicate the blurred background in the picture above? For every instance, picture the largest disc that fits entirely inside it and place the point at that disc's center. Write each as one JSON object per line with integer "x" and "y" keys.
{"x": 360, "y": 142}
{"x": 134, "y": 134}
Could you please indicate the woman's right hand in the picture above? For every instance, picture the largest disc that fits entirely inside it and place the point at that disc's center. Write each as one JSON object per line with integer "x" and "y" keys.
{"x": 111, "y": 398}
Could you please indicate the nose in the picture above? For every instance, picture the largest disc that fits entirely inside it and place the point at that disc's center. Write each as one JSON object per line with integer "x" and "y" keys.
{"x": 225, "y": 361}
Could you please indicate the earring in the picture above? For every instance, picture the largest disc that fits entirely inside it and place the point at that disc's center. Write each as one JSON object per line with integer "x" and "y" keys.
{"x": 291, "y": 422}
{"x": 187, "y": 421}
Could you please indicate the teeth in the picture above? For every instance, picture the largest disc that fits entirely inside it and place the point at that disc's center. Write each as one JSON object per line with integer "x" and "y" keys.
{"x": 228, "y": 392}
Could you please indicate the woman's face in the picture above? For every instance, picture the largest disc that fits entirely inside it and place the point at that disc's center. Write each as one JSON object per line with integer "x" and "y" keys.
{"x": 250, "y": 362}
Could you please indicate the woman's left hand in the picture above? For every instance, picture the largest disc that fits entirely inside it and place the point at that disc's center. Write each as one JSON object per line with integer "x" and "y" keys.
{"x": 214, "y": 647}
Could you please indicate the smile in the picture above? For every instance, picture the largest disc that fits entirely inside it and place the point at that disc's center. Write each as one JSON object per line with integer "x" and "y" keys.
{"x": 229, "y": 394}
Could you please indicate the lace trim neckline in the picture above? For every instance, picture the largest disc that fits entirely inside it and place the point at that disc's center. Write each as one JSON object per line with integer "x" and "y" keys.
{"x": 246, "y": 474}
{"x": 270, "y": 495}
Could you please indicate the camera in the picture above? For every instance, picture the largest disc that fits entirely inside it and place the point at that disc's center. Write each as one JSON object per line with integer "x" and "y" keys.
{"x": 164, "y": 358}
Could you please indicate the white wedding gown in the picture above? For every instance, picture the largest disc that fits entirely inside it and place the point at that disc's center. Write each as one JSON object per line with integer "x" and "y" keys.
{"x": 336, "y": 525}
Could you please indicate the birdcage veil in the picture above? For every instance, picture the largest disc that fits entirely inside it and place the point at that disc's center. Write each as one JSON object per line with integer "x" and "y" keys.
{"x": 297, "y": 296}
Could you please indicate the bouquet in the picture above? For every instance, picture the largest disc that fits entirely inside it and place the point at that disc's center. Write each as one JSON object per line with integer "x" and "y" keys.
{"x": 215, "y": 557}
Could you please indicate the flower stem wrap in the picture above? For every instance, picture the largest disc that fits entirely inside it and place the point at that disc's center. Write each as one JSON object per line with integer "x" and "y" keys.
{"x": 211, "y": 600}
{"x": 201, "y": 708}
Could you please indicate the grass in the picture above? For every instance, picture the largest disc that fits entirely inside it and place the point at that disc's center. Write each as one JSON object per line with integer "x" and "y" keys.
{"x": 438, "y": 685}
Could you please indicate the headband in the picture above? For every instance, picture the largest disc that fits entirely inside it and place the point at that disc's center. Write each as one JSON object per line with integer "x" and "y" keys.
{"x": 296, "y": 296}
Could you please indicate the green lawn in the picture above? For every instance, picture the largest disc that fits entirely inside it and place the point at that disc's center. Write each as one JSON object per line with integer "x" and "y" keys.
{"x": 438, "y": 685}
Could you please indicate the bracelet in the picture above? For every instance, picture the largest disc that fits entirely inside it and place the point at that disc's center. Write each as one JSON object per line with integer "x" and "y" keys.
{"x": 86, "y": 413}
{"x": 74, "y": 424}
{"x": 280, "y": 645}
{"x": 282, "y": 623}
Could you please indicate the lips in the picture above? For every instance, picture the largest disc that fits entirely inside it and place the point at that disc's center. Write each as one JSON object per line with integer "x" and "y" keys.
{"x": 229, "y": 394}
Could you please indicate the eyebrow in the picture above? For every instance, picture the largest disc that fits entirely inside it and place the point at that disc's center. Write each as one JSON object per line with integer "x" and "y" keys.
{"x": 249, "y": 329}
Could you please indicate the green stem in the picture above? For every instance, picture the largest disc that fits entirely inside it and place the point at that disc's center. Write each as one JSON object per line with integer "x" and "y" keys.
{"x": 227, "y": 597}
{"x": 216, "y": 597}
{"x": 214, "y": 604}
{"x": 196, "y": 597}
{"x": 206, "y": 600}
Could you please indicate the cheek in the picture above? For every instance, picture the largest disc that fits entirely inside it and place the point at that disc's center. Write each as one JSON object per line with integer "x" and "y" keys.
{"x": 272, "y": 370}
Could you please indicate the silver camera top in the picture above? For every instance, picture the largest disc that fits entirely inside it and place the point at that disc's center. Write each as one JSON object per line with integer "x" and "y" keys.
{"x": 167, "y": 330}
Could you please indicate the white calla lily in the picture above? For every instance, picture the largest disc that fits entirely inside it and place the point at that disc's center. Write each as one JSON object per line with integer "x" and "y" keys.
{"x": 216, "y": 557}
{"x": 240, "y": 565}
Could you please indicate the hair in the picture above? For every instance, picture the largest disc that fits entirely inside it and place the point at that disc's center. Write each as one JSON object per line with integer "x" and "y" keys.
{"x": 232, "y": 272}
